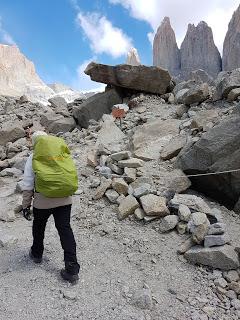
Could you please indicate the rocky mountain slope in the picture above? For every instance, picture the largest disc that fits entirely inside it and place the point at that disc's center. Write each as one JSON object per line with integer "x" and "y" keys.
{"x": 137, "y": 218}
{"x": 18, "y": 77}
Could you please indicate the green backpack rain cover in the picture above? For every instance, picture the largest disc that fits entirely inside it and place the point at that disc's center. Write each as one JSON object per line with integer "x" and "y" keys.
{"x": 55, "y": 171}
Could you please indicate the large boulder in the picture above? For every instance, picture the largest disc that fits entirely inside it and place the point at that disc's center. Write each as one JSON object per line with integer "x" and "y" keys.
{"x": 226, "y": 82}
{"x": 196, "y": 94}
{"x": 150, "y": 138}
{"x": 217, "y": 150}
{"x": 95, "y": 106}
{"x": 10, "y": 132}
{"x": 224, "y": 257}
{"x": 165, "y": 50}
{"x": 141, "y": 78}
{"x": 55, "y": 123}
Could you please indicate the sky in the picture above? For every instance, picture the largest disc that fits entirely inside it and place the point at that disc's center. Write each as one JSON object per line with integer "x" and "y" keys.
{"x": 62, "y": 36}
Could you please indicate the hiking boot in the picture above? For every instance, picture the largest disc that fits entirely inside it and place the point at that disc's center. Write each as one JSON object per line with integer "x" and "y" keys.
{"x": 34, "y": 259}
{"x": 72, "y": 278}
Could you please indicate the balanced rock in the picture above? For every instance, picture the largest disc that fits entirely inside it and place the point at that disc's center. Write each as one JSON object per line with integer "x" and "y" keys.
{"x": 165, "y": 50}
{"x": 231, "y": 46}
{"x": 141, "y": 78}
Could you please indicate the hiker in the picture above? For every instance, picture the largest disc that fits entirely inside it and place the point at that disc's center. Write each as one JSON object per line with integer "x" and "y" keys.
{"x": 50, "y": 178}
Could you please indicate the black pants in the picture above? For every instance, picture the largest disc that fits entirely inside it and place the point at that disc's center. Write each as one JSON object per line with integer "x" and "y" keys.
{"x": 62, "y": 222}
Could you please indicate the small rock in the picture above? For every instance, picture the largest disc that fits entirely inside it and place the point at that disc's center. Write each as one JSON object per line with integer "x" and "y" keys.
{"x": 69, "y": 294}
{"x": 94, "y": 182}
{"x": 168, "y": 223}
{"x": 131, "y": 163}
{"x": 154, "y": 205}
{"x": 105, "y": 184}
{"x": 235, "y": 286}
{"x": 123, "y": 155}
{"x": 216, "y": 240}
{"x": 7, "y": 240}
{"x": 235, "y": 303}
{"x": 142, "y": 190}
{"x": 139, "y": 214}
{"x": 220, "y": 282}
{"x": 216, "y": 229}
{"x": 199, "y": 218}
{"x": 184, "y": 213}
{"x": 115, "y": 169}
{"x": 127, "y": 206}
{"x": 92, "y": 159}
{"x": 11, "y": 172}
{"x": 143, "y": 299}
{"x": 182, "y": 227}
{"x": 112, "y": 195}
{"x": 119, "y": 185}
{"x": 231, "y": 294}
{"x": 185, "y": 246}
{"x": 130, "y": 174}
{"x": 231, "y": 276}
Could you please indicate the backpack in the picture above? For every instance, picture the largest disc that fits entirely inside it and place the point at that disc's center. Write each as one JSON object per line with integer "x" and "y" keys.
{"x": 55, "y": 171}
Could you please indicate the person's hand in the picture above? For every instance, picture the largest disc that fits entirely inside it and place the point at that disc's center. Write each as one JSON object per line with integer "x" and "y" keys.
{"x": 27, "y": 214}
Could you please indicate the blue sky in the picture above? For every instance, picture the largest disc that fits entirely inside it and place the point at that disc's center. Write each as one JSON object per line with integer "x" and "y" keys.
{"x": 61, "y": 36}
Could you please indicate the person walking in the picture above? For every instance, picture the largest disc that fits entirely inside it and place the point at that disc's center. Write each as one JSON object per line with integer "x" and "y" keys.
{"x": 50, "y": 178}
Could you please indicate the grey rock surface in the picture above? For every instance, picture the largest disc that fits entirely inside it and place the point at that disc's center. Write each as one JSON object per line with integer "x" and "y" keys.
{"x": 95, "y": 106}
{"x": 224, "y": 258}
{"x": 198, "y": 51}
{"x": 166, "y": 53}
{"x": 231, "y": 46}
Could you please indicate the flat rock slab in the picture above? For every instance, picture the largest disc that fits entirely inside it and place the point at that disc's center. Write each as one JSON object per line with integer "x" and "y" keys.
{"x": 142, "y": 78}
{"x": 224, "y": 258}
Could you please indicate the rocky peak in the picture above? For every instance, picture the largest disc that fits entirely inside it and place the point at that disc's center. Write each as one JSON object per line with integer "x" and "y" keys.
{"x": 165, "y": 50}
{"x": 231, "y": 46}
{"x": 198, "y": 51}
{"x": 133, "y": 57}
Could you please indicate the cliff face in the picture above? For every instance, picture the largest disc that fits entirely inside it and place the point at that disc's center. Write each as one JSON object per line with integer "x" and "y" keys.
{"x": 133, "y": 58}
{"x": 231, "y": 46}
{"x": 18, "y": 75}
{"x": 198, "y": 51}
{"x": 165, "y": 50}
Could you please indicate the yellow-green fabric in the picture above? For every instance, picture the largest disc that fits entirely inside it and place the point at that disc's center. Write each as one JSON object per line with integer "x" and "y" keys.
{"x": 55, "y": 171}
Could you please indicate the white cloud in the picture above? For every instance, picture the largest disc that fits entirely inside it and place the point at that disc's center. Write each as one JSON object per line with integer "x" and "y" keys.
{"x": 103, "y": 36}
{"x": 216, "y": 13}
{"x": 83, "y": 81}
{"x": 5, "y": 37}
